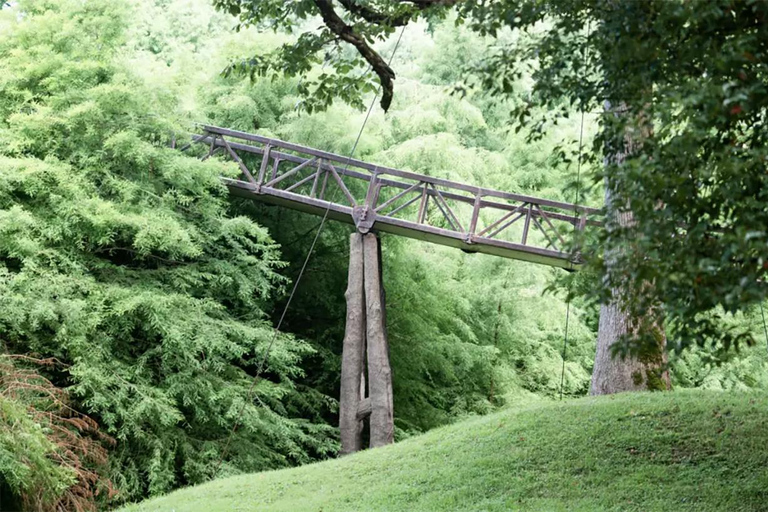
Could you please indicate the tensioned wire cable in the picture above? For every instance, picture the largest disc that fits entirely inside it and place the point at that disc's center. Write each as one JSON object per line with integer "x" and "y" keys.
{"x": 576, "y": 204}
{"x": 765, "y": 327}
{"x": 263, "y": 362}
{"x": 568, "y": 304}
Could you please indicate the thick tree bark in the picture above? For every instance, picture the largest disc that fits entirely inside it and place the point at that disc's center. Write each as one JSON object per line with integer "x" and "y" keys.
{"x": 353, "y": 352}
{"x": 382, "y": 427}
{"x": 616, "y": 374}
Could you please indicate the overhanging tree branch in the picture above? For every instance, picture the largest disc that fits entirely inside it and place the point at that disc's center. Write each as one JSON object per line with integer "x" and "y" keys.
{"x": 336, "y": 25}
{"x": 373, "y": 16}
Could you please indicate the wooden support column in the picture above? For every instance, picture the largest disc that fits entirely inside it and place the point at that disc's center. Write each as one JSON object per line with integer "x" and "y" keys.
{"x": 353, "y": 352}
{"x": 382, "y": 424}
{"x": 366, "y": 331}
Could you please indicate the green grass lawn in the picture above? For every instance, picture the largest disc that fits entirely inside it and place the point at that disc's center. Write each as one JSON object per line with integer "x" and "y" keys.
{"x": 688, "y": 450}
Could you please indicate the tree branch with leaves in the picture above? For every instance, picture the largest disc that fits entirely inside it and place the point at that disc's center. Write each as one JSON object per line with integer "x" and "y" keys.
{"x": 696, "y": 187}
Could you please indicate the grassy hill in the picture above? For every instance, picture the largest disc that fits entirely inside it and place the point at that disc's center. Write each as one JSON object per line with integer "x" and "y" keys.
{"x": 646, "y": 452}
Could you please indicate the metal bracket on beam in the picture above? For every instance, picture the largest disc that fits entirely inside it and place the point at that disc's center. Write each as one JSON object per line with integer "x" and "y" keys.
{"x": 364, "y": 218}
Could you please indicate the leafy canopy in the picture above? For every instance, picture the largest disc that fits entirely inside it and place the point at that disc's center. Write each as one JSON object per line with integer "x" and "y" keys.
{"x": 688, "y": 79}
{"x": 118, "y": 257}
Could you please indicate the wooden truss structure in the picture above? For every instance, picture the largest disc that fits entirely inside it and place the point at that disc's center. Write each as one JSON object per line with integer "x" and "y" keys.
{"x": 374, "y": 197}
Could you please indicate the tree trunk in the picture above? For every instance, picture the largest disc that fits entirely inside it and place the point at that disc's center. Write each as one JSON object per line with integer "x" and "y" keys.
{"x": 615, "y": 374}
{"x": 353, "y": 352}
{"x": 382, "y": 427}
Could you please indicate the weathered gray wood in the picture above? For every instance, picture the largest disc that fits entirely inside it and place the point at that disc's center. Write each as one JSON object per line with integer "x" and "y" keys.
{"x": 264, "y": 163}
{"x": 396, "y": 197}
{"x": 573, "y": 220}
{"x": 301, "y": 182}
{"x": 475, "y": 216}
{"x": 447, "y": 217}
{"x": 313, "y": 192}
{"x": 541, "y": 228}
{"x": 401, "y": 227}
{"x": 382, "y": 426}
{"x": 237, "y": 159}
{"x": 413, "y": 176}
{"x": 423, "y": 206}
{"x": 404, "y": 205}
{"x": 454, "y": 235}
{"x": 325, "y": 185}
{"x": 289, "y": 173}
{"x": 353, "y": 351}
{"x": 372, "y": 192}
{"x": 456, "y": 221}
{"x": 549, "y": 223}
{"x": 210, "y": 149}
{"x": 210, "y": 154}
{"x": 364, "y": 409}
{"x": 505, "y": 226}
{"x": 392, "y": 172}
{"x": 498, "y": 221}
{"x": 527, "y": 224}
{"x": 342, "y": 186}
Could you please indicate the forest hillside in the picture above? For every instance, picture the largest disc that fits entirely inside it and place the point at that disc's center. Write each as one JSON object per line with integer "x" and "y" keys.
{"x": 138, "y": 300}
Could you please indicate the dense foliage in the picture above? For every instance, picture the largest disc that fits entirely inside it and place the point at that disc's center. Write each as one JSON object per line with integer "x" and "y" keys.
{"x": 684, "y": 86}
{"x": 128, "y": 262}
{"x": 119, "y": 259}
{"x": 51, "y": 456}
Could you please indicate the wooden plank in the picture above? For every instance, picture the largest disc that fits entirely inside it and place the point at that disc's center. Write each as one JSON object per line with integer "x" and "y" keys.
{"x": 446, "y": 216}
{"x": 475, "y": 215}
{"x": 194, "y": 140}
{"x": 395, "y": 172}
{"x": 210, "y": 154}
{"x": 448, "y": 195}
{"x": 371, "y": 192}
{"x": 549, "y": 223}
{"x": 404, "y": 205}
{"x": 210, "y": 150}
{"x": 264, "y": 162}
{"x": 538, "y": 225}
{"x": 442, "y": 199}
{"x": 289, "y": 173}
{"x": 325, "y": 184}
{"x": 401, "y": 227}
{"x": 302, "y": 182}
{"x": 343, "y": 187}
{"x": 527, "y": 224}
{"x": 397, "y": 196}
{"x": 317, "y": 178}
{"x": 237, "y": 159}
{"x": 500, "y": 220}
{"x": 505, "y": 226}
{"x": 423, "y": 205}
{"x": 424, "y": 178}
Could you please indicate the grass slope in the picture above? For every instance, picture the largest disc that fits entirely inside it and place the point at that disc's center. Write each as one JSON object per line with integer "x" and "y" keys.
{"x": 646, "y": 452}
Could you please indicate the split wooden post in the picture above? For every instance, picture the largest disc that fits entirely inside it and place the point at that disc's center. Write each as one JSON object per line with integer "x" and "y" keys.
{"x": 353, "y": 352}
{"x": 382, "y": 426}
{"x": 366, "y": 332}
